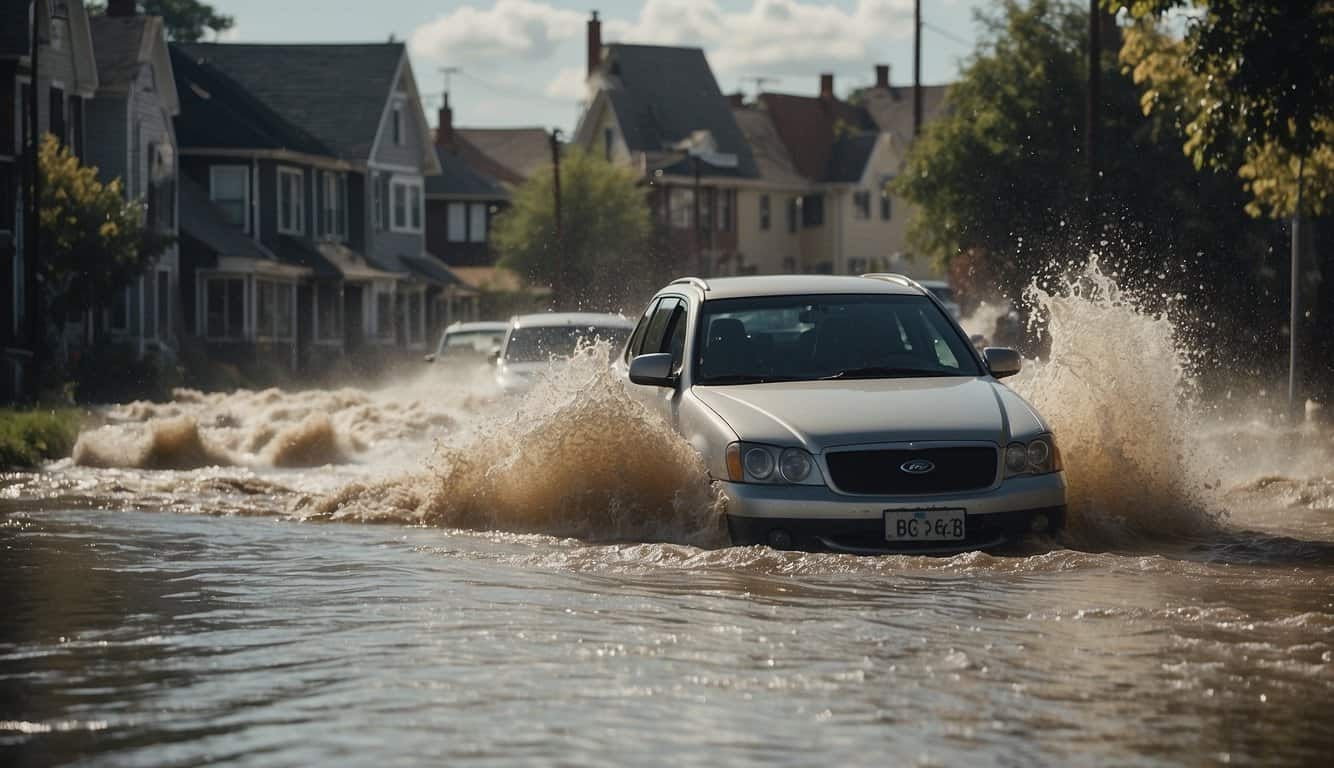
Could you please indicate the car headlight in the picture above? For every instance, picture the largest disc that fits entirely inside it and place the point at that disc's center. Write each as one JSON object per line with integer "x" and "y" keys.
{"x": 754, "y": 463}
{"x": 1038, "y": 456}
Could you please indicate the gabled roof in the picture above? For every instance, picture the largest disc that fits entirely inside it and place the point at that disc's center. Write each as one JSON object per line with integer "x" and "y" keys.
{"x": 892, "y": 108}
{"x": 663, "y": 96}
{"x": 811, "y": 126}
{"x": 771, "y": 156}
{"x": 513, "y": 152}
{"x": 122, "y": 44}
{"x": 460, "y": 177}
{"x": 218, "y": 113}
{"x": 336, "y": 92}
{"x": 848, "y": 158}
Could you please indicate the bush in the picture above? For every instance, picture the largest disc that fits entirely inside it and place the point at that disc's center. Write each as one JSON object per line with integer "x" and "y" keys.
{"x": 28, "y": 438}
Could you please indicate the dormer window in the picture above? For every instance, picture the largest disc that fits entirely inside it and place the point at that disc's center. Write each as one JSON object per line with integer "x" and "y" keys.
{"x": 398, "y": 125}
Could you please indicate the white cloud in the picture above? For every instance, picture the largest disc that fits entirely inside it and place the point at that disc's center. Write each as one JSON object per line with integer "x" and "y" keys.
{"x": 567, "y": 85}
{"x": 771, "y": 36}
{"x": 509, "y": 28}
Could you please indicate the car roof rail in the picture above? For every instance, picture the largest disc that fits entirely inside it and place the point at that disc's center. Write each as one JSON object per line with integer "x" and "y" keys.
{"x": 698, "y": 282}
{"x": 894, "y": 277}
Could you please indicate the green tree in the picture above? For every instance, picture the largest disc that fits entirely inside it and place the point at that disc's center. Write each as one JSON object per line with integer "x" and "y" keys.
{"x": 605, "y": 232}
{"x": 999, "y": 182}
{"x": 94, "y": 242}
{"x": 186, "y": 20}
{"x": 1251, "y": 85}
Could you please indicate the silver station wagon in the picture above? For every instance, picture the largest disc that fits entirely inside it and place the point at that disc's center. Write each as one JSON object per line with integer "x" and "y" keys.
{"x": 848, "y": 414}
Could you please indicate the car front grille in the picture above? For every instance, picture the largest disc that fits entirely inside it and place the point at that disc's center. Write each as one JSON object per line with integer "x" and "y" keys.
{"x": 881, "y": 472}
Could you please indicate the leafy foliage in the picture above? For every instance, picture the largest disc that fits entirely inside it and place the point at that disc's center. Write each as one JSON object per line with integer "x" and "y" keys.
{"x": 1250, "y": 85}
{"x": 1001, "y": 180}
{"x": 94, "y": 242}
{"x": 606, "y": 227}
{"x": 185, "y": 20}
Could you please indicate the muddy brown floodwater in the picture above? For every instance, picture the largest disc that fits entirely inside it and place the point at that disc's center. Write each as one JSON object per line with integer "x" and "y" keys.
{"x": 549, "y": 582}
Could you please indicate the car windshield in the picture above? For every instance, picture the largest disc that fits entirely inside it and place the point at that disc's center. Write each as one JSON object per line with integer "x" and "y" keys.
{"x": 803, "y": 338}
{"x": 457, "y": 343}
{"x": 542, "y": 343}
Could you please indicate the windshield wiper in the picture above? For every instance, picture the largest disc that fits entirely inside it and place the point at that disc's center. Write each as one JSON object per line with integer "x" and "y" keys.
{"x": 745, "y": 378}
{"x": 875, "y": 372}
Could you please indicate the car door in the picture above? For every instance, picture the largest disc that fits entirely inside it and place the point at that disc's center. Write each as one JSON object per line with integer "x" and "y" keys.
{"x": 659, "y": 334}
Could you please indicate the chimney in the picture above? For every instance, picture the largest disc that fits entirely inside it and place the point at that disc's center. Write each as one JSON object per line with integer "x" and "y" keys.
{"x": 827, "y": 86}
{"x": 737, "y": 99}
{"x": 444, "y": 133}
{"x": 882, "y": 76}
{"x": 122, "y": 8}
{"x": 594, "y": 44}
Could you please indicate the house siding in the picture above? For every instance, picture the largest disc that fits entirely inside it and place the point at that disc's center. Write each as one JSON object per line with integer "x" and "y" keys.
{"x": 409, "y": 153}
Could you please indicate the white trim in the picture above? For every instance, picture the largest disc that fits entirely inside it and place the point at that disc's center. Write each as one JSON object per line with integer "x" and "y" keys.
{"x": 299, "y": 215}
{"x": 212, "y": 182}
{"x": 407, "y": 184}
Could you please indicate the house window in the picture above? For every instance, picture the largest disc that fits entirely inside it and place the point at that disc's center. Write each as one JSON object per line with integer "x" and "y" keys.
{"x": 608, "y": 137}
{"x": 333, "y": 205}
{"x": 229, "y": 188}
{"x": 76, "y": 125}
{"x": 456, "y": 222}
{"x": 793, "y": 214}
{"x": 764, "y": 212}
{"x": 398, "y": 125}
{"x": 224, "y": 308}
{"x": 812, "y": 211}
{"x": 274, "y": 311}
{"x": 380, "y": 200}
{"x": 682, "y": 202}
{"x": 328, "y": 312}
{"x": 162, "y": 304}
{"x": 120, "y": 312}
{"x": 726, "y": 202}
{"x": 861, "y": 203}
{"x": 885, "y": 211}
{"x": 57, "y": 114}
{"x": 407, "y": 206}
{"x": 384, "y": 315}
{"x": 477, "y": 223}
{"x": 291, "y": 201}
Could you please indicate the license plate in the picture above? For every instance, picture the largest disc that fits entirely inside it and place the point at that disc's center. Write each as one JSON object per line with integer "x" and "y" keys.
{"x": 924, "y": 524}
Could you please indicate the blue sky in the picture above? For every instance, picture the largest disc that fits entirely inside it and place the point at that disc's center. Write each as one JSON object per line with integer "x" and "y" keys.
{"x": 521, "y": 62}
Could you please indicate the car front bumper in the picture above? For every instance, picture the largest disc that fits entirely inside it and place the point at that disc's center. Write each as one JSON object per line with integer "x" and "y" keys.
{"x": 816, "y": 518}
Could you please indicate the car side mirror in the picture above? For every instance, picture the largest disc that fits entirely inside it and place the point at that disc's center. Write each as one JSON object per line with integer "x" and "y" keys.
{"x": 1002, "y": 361}
{"x": 430, "y": 358}
{"x": 653, "y": 370}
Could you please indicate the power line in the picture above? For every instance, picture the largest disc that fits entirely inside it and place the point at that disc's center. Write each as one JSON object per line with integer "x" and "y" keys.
{"x": 947, "y": 34}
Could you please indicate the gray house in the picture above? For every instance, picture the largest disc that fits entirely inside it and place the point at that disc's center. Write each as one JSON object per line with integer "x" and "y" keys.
{"x": 66, "y": 79}
{"x": 131, "y": 137}
{"x": 358, "y": 110}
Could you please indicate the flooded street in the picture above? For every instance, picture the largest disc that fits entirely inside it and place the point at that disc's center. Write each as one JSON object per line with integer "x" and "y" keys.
{"x": 549, "y": 582}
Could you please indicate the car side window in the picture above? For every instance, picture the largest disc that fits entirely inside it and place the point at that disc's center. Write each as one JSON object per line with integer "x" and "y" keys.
{"x": 676, "y": 343}
{"x": 656, "y": 334}
{"x": 632, "y": 346}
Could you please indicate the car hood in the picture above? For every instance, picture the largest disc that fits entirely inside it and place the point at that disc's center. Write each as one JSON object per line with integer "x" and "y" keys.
{"x": 823, "y": 414}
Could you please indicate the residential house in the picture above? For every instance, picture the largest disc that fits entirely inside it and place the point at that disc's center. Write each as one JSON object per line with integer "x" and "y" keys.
{"x": 659, "y": 110}
{"x": 319, "y": 153}
{"x": 66, "y": 80}
{"x": 131, "y": 137}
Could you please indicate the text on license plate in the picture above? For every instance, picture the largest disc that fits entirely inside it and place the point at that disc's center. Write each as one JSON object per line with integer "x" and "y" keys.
{"x": 924, "y": 524}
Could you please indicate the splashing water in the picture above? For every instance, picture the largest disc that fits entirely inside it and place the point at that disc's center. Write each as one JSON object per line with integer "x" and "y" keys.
{"x": 1117, "y": 395}
{"x": 578, "y": 457}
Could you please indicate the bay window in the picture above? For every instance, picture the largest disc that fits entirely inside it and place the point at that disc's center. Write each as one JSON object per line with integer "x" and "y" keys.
{"x": 224, "y": 302}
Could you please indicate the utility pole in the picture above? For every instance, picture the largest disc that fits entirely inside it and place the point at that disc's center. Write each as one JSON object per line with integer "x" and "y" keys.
{"x": 558, "y": 281}
{"x": 916, "y": 67}
{"x": 1093, "y": 112}
{"x": 1295, "y": 401}
{"x": 32, "y": 237}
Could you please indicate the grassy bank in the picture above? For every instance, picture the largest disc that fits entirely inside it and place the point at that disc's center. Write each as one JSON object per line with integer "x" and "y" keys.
{"x": 29, "y": 437}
